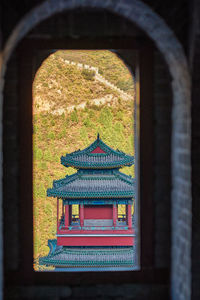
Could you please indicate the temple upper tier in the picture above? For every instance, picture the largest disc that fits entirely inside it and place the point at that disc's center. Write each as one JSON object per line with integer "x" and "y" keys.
{"x": 97, "y": 156}
{"x": 87, "y": 184}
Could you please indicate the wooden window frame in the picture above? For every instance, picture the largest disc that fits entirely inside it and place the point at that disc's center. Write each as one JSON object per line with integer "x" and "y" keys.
{"x": 148, "y": 273}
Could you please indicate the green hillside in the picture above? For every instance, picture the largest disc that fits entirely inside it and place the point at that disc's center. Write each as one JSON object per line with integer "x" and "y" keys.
{"x": 109, "y": 65}
{"x": 57, "y": 131}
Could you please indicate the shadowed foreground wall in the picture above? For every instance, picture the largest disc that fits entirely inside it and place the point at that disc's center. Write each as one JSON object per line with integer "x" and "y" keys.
{"x": 161, "y": 187}
{"x": 161, "y": 136}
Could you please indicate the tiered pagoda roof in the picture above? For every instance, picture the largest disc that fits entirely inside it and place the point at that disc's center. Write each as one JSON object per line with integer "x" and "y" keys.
{"x": 93, "y": 185}
{"x": 97, "y": 156}
{"x": 97, "y": 181}
{"x": 98, "y": 174}
{"x": 99, "y": 257}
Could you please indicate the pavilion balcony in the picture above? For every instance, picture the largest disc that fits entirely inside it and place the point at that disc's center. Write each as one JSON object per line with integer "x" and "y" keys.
{"x": 94, "y": 224}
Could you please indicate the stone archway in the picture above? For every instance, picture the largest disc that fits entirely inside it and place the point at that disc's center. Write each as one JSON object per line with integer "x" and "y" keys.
{"x": 141, "y": 15}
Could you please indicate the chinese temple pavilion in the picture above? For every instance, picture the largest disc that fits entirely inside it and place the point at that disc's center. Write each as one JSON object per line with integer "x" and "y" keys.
{"x": 97, "y": 236}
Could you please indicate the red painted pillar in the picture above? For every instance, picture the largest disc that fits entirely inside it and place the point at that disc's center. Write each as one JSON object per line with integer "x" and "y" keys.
{"x": 127, "y": 214}
{"x": 57, "y": 214}
{"x": 70, "y": 214}
{"x": 66, "y": 216}
{"x": 114, "y": 214}
{"x": 62, "y": 208}
{"x": 81, "y": 215}
{"x": 129, "y": 217}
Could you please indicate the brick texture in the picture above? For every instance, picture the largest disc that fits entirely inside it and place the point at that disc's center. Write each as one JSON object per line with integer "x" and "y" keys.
{"x": 162, "y": 160}
{"x": 195, "y": 65}
{"x": 166, "y": 187}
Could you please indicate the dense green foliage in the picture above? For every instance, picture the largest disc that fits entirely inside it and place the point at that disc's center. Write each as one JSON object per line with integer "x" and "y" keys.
{"x": 55, "y": 135}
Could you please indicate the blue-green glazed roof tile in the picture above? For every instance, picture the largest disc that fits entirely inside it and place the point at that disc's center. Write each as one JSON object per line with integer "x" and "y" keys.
{"x": 83, "y": 159}
{"x": 94, "y": 185}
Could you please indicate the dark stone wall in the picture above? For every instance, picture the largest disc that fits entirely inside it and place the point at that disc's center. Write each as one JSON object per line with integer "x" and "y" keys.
{"x": 62, "y": 27}
{"x": 176, "y": 15}
{"x": 196, "y": 183}
{"x": 107, "y": 26}
{"x": 195, "y": 67}
{"x": 162, "y": 160}
{"x": 11, "y": 166}
{"x": 90, "y": 292}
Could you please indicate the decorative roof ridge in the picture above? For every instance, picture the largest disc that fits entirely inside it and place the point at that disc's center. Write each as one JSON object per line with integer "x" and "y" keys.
{"x": 67, "y": 179}
{"x": 86, "y": 158}
{"x": 91, "y": 147}
{"x": 127, "y": 178}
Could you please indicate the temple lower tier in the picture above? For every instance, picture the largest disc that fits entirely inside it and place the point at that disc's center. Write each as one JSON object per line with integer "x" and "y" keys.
{"x": 89, "y": 258}
{"x": 94, "y": 224}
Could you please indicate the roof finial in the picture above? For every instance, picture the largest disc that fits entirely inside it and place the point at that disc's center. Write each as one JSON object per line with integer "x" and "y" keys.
{"x": 97, "y": 136}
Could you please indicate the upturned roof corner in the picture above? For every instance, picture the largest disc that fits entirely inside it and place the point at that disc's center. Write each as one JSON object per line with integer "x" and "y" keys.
{"x": 97, "y": 156}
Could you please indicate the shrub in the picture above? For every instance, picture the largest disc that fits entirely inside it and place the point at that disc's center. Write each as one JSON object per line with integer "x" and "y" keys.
{"x": 48, "y": 209}
{"x": 118, "y": 127}
{"x": 62, "y": 134}
{"x": 35, "y": 128}
{"x": 88, "y": 74}
{"x": 44, "y": 121}
{"x": 40, "y": 191}
{"x": 87, "y": 122}
{"x": 52, "y": 123}
{"x": 119, "y": 115}
{"x": 86, "y": 109}
{"x": 95, "y": 107}
{"x": 106, "y": 117}
{"x": 125, "y": 85}
{"x": 91, "y": 114}
{"x": 45, "y": 84}
{"x": 42, "y": 165}
{"x": 40, "y": 137}
{"x": 67, "y": 121}
{"x": 37, "y": 105}
{"x": 56, "y": 158}
{"x": 100, "y": 71}
{"x": 74, "y": 116}
{"x": 83, "y": 133}
{"x": 84, "y": 136}
{"x": 51, "y": 136}
{"x": 47, "y": 155}
{"x": 119, "y": 100}
{"x": 59, "y": 66}
{"x": 38, "y": 153}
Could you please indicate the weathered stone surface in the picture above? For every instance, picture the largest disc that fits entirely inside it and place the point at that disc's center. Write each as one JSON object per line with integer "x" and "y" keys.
{"x": 155, "y": 28}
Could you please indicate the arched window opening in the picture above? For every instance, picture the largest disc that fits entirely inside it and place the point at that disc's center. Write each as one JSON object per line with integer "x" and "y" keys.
{"x": 82, "y": 100}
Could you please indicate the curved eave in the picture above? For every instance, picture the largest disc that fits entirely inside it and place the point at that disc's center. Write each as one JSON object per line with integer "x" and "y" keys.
{"x": 81, "y": 195}
{"x": 85, "y": 165}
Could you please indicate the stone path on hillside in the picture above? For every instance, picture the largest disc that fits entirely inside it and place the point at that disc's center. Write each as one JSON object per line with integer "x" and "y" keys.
{"x": 46, "y": 106}
{"x": 100, "y": 78}
{"x": 98, "y": 101}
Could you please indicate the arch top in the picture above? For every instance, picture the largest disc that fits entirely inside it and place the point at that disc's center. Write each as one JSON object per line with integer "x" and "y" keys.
{"x": 135, "y": 11}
